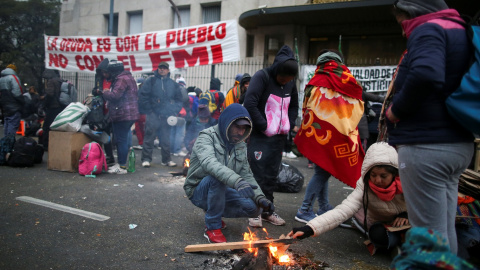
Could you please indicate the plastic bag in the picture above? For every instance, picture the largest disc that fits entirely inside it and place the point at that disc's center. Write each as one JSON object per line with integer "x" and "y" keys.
{"x": 289, "y": 180}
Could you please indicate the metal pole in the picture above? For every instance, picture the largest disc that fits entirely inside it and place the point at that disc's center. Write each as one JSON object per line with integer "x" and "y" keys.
{"x": 213, "y": 72}
{"x": 110, "y": 19}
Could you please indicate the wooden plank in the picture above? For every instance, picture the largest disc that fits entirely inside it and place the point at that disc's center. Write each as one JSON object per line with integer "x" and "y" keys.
{"x": 238, "y": 245}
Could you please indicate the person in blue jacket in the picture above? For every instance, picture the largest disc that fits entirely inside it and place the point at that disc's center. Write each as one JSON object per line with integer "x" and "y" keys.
{"x": 433, "y": 149}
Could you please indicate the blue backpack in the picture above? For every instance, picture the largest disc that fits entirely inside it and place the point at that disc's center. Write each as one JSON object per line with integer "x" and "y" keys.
{"x": 464, "y": 103}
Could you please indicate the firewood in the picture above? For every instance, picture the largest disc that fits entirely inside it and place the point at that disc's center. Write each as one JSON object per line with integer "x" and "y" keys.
{"x": 238, "y": 245}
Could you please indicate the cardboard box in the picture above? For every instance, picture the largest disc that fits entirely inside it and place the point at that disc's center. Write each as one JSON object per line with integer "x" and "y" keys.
{"x": 64, "y": 150}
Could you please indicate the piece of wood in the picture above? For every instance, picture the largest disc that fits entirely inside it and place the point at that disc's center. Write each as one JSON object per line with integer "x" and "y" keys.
{"x": 238, "y": 245}
{"x": 244, "y": 261}
{"x": 263, "y": 261}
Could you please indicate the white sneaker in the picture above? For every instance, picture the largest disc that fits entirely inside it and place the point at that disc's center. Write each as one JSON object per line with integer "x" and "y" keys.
{"x": 113, "y": 168}
{"x": 290, "y": 155}
{"x": 274, "y": 219}
{"x": 145, "y": 164}
{"x": 138, "y": 147}
{"x": 118, "y": 170}
{"x": 170, "y": 164}
{"x": 180, "y": 154}
{"x": 255, "y": 222}
{"x": 156, "y": 142}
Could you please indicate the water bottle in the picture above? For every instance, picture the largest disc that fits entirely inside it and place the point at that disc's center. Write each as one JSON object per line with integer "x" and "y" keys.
{"x": 131, "y": 161}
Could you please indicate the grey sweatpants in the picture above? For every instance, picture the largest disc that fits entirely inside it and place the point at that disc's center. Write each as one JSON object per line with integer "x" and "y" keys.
{"x": 429, "y": 174}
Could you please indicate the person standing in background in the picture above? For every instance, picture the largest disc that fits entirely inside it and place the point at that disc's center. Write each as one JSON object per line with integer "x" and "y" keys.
{"x": 52, "y": 103}
{"x": 272, "y": 102}
{"x": 11, "y": 99}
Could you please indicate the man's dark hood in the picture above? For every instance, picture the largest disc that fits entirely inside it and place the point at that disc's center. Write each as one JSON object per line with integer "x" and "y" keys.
{"x": 215, "y": 84}
{"x": 229, "y": 115}
{"x": 102, "y": 66}
{"x": 284, "y": 54}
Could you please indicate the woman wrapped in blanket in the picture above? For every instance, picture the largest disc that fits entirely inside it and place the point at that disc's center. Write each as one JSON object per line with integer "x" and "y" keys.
{"x": 378, "y": 196}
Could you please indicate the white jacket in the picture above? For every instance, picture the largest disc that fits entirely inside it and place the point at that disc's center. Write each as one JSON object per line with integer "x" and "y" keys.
{"x": 378, "y": 210}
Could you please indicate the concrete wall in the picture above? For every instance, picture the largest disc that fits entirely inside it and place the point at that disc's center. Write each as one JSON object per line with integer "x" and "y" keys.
{"x": 87, "y": 17}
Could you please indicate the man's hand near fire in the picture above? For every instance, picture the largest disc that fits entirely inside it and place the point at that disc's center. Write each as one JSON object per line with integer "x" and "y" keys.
{"x": 301, "y": 232}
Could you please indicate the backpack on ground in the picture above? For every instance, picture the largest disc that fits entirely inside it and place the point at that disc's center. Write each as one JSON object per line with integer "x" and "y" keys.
{"x": 92, "y": 160}
{"x": 6, "y": 146}
{"x": 211, "y": 98}
{"x": 463, "y": 103}
{"x": 23, "y": 154}
{"x": 68, "y": 93}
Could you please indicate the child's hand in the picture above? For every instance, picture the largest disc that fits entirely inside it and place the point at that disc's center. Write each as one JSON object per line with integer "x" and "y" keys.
{"x": 398, "y": 222}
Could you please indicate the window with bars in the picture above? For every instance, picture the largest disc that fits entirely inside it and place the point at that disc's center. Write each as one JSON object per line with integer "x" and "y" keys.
{"x": 210, "y": 14}
{"x": 184, "y": 13}
{"x": 115, "y": 24}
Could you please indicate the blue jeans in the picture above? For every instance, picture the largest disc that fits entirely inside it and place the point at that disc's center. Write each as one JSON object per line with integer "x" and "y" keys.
{"x": 121, "y": 134}
{"x": 429, "y": 174}
{"x": 11, "y": 123}
{"x": 317, "y": 188}
{"x": 218, "y": 200}
{"x": 176, "y": 138}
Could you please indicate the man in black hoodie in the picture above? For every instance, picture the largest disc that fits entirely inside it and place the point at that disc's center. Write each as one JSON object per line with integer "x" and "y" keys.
{"x": 272, "y": 102}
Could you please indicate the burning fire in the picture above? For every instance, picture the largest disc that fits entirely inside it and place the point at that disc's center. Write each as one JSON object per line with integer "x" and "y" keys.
{"x": 274, "y": 251}
{"x": 186, "y": 163}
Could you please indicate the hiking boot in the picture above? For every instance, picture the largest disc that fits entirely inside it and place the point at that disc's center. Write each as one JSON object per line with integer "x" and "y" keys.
{"x": 170, "y": 164}
{"x": 215, "y": 236}
{"x": 138, "y": 147}
{"x": 274, "y": 219}
{"x": 146, "y": 164}
{"x": 255, "y": 222}
{"x": 304, "y": 217}
{"x": 324, "y": 209}
{"x": 118, "y": 169}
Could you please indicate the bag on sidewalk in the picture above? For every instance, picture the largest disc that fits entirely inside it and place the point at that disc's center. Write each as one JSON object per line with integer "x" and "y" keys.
{"x": 92, "y": 160}
{"x": 6, "y": 146}
{"x": 71, "y": 118}
{"x": 23, "y": 154}
{"x": 289, "y": 180}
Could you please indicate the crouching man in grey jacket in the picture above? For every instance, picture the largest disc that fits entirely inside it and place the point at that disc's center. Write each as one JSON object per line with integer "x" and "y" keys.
{"x": 219, "y": 179}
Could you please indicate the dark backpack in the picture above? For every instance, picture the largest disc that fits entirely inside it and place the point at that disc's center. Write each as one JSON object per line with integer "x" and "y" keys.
{"x": 95, "y": 119}
{"x": 6, "y": 146}
{"x": 23, "y": 154}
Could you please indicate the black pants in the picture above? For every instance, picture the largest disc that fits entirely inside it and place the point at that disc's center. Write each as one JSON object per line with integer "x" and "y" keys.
{"x": 265, "y": 157}
{"x": 50, "y": 115}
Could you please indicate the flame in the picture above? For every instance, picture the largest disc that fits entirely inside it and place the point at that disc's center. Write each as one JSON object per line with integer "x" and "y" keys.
{"x": 186, "y": 163}
{"x": 250, "y": 236}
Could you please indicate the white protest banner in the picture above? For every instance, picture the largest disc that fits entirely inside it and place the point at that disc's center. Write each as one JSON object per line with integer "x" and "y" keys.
{"x": 372, "y": 79}
{"x": 183, "y": 47}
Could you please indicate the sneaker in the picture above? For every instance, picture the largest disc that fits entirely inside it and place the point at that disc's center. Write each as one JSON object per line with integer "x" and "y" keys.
{"x": 146, "y": 164}
{"x": 215, "y": 236}
{"x": 274, "y": 219}
{"x": 324, "y": 209}
{"x": 347, "y": 224}
{"x": 138, "y": 147}
{"x": 290, "y": 155}
{"x": 304, "y": 217}
{"x": 113, "y": 168}
{"x": 255, "y": 222}
{"x": 310, "y": 165}
{"x": 118, "y": 170}
{"x": 170, "y": 164}
{"x": 180, "y": 154}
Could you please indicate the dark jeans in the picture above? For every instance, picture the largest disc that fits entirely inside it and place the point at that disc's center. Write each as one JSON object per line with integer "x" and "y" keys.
{"x": 218, "y": 200}
{"x": 11, "y": 123}
{"x": 121, "y": 134}
{"x": 153, "y": 123}
{"x": 265, "y": 157}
